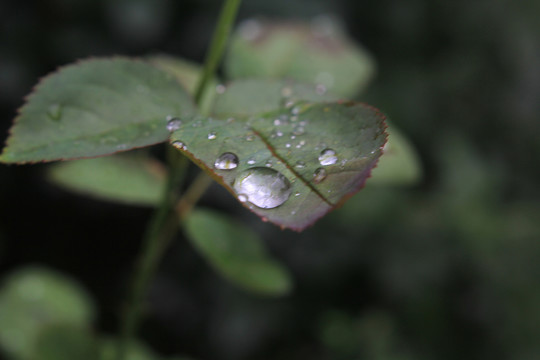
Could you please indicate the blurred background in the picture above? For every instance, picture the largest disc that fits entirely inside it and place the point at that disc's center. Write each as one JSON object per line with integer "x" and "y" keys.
{"x": 447, "y": 268}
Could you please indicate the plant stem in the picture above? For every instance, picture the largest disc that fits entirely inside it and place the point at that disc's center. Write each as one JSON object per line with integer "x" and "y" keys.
{"x": 217, "y": 45}
{"x": 165, "y": 223}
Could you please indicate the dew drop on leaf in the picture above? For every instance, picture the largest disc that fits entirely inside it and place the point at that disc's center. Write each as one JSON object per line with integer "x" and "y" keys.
{"x": 55, "y": 112}
{"x": 328, "y": 157}
{"x": 179, "y": 145}
{"x": 300, "y": 164}
{"x": 226, "y": 161}
{"x": 212, "y": 135}
{"x": 174, "y": 124}
{"x": 319, "y": 175}
{"x": 265, "y": 188}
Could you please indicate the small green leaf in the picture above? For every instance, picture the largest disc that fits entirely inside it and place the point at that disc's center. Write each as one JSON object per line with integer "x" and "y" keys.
{"x": 61, "y": 342}
{"x": 127, "y": 178}
{"x": 399, "y": 164}
{"x": 96, "y": 107}
{"x": 318, "y": 53}
{"x": 288, "y": 160}
{"x": 34, "y": 298}
{"x": 236, "y": 252}
{"x": 187, "y": 73}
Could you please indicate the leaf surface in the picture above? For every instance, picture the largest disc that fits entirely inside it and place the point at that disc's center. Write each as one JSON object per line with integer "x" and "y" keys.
{"x": 319, "y": 52}
{"x": 127, "y": 178}
{"x": 236, "y": 252}
{"x": 296, "y": 159}
{"x": 96, "y": 107}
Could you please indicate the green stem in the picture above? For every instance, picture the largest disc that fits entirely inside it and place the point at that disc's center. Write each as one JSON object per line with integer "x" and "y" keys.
{"x": 217, "y": 45}
{"x": 164, "y": 223}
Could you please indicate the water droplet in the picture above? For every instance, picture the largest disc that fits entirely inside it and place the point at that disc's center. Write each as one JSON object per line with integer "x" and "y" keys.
{"x": 286, "y": 92}
{"x": 212, "y": 135}
{"x": 319, "y": 175}
{"x": 220, "y": 89}
{"x": 174, "y": 124}
{"x": 295, "y": 110}
{"x": 242, "y": 198}
{"x": 277, "y": 122}
{"x": 299, "y": 130}
{"x": 287, "y": 145}
{"x": 328, "y": 157}
{"x": 179, "y": 145}
{"x": 268, "y": 163}
{"x": 289, "y": 104}
{"x": 250, "y": 137}
{"x": 55, "y": 112}
{"x": 226, "y": 161}
{"x": 320, "y": 89}
{"x": 265, "y": 188}
{"x": 251, "y": 161}
{"x": 297, "y": 193}
{"x": 293, "y": 137}
{"x": 300, "y": 164}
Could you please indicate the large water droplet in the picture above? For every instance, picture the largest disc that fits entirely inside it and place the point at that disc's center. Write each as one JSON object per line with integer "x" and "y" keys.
{"x": 319, "y": 175}
{"x": 328, "y": 157}
{"x": 55, "y": 112}
{"x": 174, "y": 124}
{"x": 226, "y": 161}
{"x": 264, "y": 188}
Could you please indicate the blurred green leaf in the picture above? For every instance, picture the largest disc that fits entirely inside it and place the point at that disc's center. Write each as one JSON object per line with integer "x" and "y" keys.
{"x": 128, "y": 178}
{"x": 236, "y": 252}
{"x": 62, "y": 342}
{"x": 34, "y": 298}
{"x": 399, "y": 164}
{"x": 94, "y": 108}
{"x": 319, "y": 53}
{"x": 187, "y": 73}
{"x": 137, "y": 351}
{"x": 289, "y": 161}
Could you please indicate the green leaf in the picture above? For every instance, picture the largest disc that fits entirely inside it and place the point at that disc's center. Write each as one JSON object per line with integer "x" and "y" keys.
{"x": 61, "y": 342}
{"x": 96, "y": 107}
{"x": 136, "y": 351}
{"x": 297, "y": 159}
{"x": 399, "y": 164}
{"x": 236, "y": 252}
{"x": 318, "y": 53}
{"x": 34, "y": 298}
{"x": 127, "y": 178}
{"x": 187, "y": 73}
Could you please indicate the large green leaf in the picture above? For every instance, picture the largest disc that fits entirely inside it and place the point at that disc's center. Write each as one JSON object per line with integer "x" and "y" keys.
{"x": 399, "y": 164}
{"x": 96, "y": 107}
{"x": 288, "y": 159}
{"x": 127, "y": 178}
{"x": 236, "y": 252}
{"x": 34, "y": 298}
{"x": 61, "y": 342}
{"x": 319, "y": 52}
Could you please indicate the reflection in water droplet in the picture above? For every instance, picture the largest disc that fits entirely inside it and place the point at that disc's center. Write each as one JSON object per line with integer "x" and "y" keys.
{"x": 212, "y": 135}
{"x": 265, "y": 188}
{"x": 268, "y": 163}
{"x": 300, "y": 164}
{"x": 55, "y": 112}
{"x": 328, "y": 157}
{"x": 319, "y": 175}
{"x": 179, "y": 145}
{"x": 174, "y": 124}
{"x": 226, "y": 161}
{"x": 251, "y": 161}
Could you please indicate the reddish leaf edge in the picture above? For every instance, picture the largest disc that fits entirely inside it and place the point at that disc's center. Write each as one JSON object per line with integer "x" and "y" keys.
{"x": 210, "y": 171}
{"x": 57, "y": 70}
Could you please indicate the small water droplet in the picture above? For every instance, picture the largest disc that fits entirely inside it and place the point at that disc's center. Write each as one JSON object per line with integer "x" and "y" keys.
{"x": 320, "y": 89}
{"x": 265, "y": 188}
{"x": 319, "y": 175}
{"x": 220, "y": 89}
{"x": 299, "y": 130}
{"x": 287, "y": 145}
{"x": 297, "y": 193}
{"x": 179, "y": 145}
{"x": 328, "y": 157}
{"x": 300, "y": 164}
{"x": 174, "y": 124}
{"x": 295, "y": 110}
{"x": 55, "y": 112}
{"x": 293, "y": 137}
{"x": 226, "y": 161}
{"x": 277, "y": 122}
{"x": 242, "y": 198}
{"x": 268, "y": 163}
{"x": 212, "y": 135}
{"x": 286, "y": 92}
{"x": 251, "y": 161}
{"x": 250, "y": 137}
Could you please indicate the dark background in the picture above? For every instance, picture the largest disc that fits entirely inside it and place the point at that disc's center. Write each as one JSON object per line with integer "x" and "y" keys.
{"x": 446, "y": 269}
